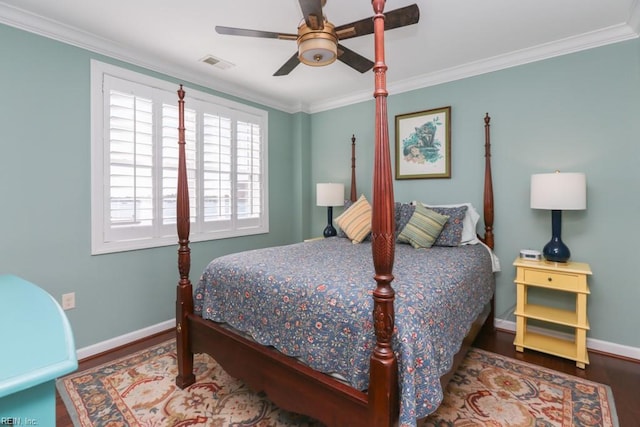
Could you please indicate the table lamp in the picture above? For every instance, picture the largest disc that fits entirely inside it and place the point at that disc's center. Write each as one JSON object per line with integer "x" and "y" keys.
{"x": 557, "y": 192}
{"x": 330, "y": 195}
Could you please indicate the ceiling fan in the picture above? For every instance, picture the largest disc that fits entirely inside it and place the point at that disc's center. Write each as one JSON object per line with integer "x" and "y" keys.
{"x": 319, "y": 40}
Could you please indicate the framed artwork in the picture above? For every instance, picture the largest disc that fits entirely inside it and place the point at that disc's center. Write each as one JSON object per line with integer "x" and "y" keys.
{"x": 423, "y": 144}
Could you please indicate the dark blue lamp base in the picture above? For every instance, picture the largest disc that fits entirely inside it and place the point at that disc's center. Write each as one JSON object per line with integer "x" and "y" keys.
{"x": 329, "y": 230}
{"x": 556, "y": 250}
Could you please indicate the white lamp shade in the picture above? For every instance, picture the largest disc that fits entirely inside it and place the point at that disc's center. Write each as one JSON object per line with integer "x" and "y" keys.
{"x": 329, "y": 194}
{"x": 559, "y": 191}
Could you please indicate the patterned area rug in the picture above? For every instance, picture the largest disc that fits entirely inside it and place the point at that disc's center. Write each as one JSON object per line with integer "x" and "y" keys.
{"x": 492, "y": 390}
{"x": 488, "y": 390}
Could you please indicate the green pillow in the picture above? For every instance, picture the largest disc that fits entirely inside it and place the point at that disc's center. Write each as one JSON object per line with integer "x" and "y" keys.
{"x": 423, "y": 227}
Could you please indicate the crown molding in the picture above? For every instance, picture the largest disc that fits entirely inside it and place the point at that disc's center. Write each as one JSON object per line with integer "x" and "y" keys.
{"x": 49, "y": 28}
{"x": 557, "y": 48}
{"x": 55, "y": 30}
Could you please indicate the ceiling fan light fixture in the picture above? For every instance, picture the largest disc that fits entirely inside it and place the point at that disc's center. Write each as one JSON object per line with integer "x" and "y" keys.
{"x": 317, "y": 47}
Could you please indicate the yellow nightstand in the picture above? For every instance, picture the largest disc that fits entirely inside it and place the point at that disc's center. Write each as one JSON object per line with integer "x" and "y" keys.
{"x": 564, "y": 277}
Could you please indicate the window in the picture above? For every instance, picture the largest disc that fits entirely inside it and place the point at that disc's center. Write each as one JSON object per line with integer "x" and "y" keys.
{"x": 135, "y": 163}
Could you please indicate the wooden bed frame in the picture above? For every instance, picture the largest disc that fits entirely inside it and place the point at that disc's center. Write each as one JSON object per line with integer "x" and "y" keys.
{"x": 290, "y": 384}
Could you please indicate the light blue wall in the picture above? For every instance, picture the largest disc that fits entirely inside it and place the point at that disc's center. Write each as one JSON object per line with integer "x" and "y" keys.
{"x": 45, "y": 220}
{"x": 580, "y": 113}
{"x": 574, "y": 113}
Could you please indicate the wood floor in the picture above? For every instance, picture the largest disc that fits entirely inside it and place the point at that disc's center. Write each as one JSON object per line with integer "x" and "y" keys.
{"x": 622, "y": 375}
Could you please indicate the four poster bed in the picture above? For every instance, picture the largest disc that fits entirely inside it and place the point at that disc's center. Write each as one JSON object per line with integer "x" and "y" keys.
{"x": 317, "y": 336}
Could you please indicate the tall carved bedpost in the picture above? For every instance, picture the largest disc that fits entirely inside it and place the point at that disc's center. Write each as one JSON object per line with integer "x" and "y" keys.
{"x": 354, "y": 191}
{"x": 488, "y": 205}
{"x": 488, "y": 185}
{"x": 184, "y": 299}
{"x": 383, "y": 387}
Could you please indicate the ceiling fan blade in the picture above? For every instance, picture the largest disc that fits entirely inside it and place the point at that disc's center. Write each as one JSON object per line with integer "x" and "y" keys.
{"x": 354, "y": 60}
{"x": 288, "y": 66}
{"x": 404, "y": 16}
{"x": 312, "y": 12}
{"x": 254, "y": 33}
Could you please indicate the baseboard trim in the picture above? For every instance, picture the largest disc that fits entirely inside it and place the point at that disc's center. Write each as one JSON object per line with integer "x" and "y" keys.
{"x": 592, "y": 344}
{"x": 121, "y": 340}
{"x": 507, "y": 325}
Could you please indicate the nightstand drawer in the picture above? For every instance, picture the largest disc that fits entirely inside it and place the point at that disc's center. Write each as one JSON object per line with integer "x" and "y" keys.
{"x": 561, "y": 281}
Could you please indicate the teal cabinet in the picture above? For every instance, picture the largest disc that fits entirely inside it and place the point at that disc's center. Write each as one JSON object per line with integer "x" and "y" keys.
{"x": 37, "y": 347}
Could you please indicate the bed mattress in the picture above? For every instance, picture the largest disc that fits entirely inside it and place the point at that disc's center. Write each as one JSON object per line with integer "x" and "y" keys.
{"x": 313, "y": 301}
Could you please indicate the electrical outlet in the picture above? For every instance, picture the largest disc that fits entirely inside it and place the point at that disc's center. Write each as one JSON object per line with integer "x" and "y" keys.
{"x": 69, "y": 301}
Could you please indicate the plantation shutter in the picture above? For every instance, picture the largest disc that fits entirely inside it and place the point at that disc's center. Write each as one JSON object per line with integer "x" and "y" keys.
{"x": 217, "y": 166}
{"x": 135, "y": 164}
{"x": 129, "y": 161}
{"x": 248, "y": 173}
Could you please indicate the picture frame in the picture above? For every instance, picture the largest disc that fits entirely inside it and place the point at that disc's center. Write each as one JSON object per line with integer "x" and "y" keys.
{"x": 423, "y": 144}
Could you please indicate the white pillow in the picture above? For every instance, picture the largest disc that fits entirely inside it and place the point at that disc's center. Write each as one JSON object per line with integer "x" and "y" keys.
{"x": 469, "y": 222}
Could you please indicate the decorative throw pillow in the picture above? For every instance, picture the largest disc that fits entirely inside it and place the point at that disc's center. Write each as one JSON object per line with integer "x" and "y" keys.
{"x": 470, "y": 222}
{"x": 347, "y": 205}
{"x": 451, "y": 234}
{"x": 423, "y": 228}
{"x": 403, "y": 212}
{"x": 356, "y": 221}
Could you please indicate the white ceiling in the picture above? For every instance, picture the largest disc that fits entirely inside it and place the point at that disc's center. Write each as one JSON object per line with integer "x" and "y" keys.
{"x": 454, "y": 39}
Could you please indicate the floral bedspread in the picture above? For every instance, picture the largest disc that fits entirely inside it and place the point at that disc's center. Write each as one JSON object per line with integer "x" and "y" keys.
{"x": 312, "y": 300}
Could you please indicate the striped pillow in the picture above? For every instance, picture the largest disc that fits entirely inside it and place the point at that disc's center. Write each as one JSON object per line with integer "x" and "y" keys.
{"x": 423, "y": 228}
{"x": 356, "y": 221}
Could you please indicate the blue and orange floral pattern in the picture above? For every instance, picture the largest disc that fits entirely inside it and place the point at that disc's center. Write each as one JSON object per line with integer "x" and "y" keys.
{"x": 491, "y": 390}
{"x": 140, "y": 390}
{"x": 313, "y": 301}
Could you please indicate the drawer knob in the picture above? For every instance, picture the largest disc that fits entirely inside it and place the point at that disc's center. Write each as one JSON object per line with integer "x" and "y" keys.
{"x": 549, "y": 279}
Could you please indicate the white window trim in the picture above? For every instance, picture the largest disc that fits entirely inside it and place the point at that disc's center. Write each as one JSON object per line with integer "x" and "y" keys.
{"x": 198, "y": 233}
